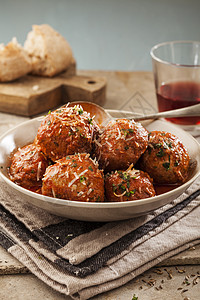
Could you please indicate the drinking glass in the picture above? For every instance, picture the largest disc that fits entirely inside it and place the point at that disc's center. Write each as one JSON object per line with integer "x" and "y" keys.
{"x": 176, "y": 68}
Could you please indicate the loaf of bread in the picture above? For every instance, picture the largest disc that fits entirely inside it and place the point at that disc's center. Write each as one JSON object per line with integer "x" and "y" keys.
{"x": 49, "y": 51}
{"x": 14, "y": 61}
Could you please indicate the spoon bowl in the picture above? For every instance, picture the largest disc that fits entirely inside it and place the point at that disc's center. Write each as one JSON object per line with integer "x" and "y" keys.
{"x": 102, "y": 116}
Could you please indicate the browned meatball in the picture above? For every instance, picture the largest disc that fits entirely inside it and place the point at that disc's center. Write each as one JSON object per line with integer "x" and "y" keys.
{"x": 66, "y": 131}
{"x": 27, "y": 167}
{"x": 166, "y": 160}
{"x": 121, "y": 143}
{"x": 75, "y": 177}
{"x": 128, "y": 185}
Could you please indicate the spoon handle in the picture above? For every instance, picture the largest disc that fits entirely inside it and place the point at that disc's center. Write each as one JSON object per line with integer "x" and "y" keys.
{"x": 193, "y": 110}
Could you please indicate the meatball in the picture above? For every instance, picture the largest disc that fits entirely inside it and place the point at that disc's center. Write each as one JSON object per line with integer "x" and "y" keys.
{"x": 75, "y": 177}
{"x": 166, "y": 159}
{"x": 66, "y": 131}
{"x": 128, "y": 185}
{"x": 27, "y": 167}
{"x": 121, "y": 143}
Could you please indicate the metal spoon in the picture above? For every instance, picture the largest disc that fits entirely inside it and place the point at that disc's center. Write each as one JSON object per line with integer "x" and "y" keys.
{"x": 102, "y": 116}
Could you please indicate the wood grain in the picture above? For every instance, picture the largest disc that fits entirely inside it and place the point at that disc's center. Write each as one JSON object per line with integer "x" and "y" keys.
{"x": 32, "y": 95}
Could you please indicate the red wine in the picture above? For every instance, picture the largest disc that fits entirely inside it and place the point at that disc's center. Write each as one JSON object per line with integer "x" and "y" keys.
{"x": 177, "y": 95}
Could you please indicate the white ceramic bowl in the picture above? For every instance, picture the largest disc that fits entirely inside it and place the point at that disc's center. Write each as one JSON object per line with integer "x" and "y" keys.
{"x": 26, "y": 132}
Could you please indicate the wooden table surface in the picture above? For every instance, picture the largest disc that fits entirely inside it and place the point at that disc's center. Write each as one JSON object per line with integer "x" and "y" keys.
{"x": 125, "y": 90}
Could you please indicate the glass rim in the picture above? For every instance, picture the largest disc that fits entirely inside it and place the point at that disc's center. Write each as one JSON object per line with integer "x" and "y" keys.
{"x": 170, "y": 63}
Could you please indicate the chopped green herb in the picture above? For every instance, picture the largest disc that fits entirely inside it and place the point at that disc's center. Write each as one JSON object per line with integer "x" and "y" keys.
{"x": 126, "y": 147}
{"x": 176, "y": 163}
{"x": 135, "y": 297}
{"x": 71, "y": 133}
{"x": 125, "y": 176}
{"x": 160, "y": 153}
{"x": 158, "y": 145}
{"x": 82, "y": 178}
{"x": 32, "y": 171}
{"x": 80, "y": 111}
{"x": 166, "y": 165}
{"x": 169, "y": 144}
{"x": 49, "y": 122}
{"x": 90, "y": 168}
{"x": 126, "y": 131}
{"x": 90, "y": 121}
{"x": 122, "y": 187}
{"x": 114, "y": 187}
{"x": 49, "y": 112}
{"x": 133, "y": 191}
{"x": 74, "y": 165}
{"x": 119, "y": 172}
{"x": 129, "y": 193}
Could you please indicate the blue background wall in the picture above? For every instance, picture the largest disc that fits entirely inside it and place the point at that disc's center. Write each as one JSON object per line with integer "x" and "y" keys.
{"x": 105, "y": 34}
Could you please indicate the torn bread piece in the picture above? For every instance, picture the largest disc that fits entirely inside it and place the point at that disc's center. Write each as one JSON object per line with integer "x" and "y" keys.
{"x": 49, "y": 51}
{"x": 14, "y": 61}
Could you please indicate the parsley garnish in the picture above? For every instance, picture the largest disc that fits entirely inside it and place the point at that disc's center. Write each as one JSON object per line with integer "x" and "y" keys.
{"x": 129, "y": 193}
{"x": 82, "y": 178}
{"x": 114, "y": 187}
{"x": 90, "y": 168}
{"x": 176, "y": 163}
{"x": 74, "y": 165}
{"x": 160, "y": 153}
{"x": 166, "y": 165}
{"x": 80, "y": 111}
{"x": 90, "y": 121}
{"x": 158, "y": 145}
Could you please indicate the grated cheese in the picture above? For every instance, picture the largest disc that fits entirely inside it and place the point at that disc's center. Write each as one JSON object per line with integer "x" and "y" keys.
{"x": 119, "y": 134}
{"x": 39, "y": 170}
{"x": 77, "y": 177}
{"x": 53, "y": 192}
{"x": 89, "y": 191}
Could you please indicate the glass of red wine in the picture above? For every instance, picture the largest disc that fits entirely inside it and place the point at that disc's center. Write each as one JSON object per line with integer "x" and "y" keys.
{"x": 176, "y": 68}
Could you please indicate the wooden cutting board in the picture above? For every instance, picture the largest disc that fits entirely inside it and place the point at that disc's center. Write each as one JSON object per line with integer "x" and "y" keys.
{"x": 32, "y": 95}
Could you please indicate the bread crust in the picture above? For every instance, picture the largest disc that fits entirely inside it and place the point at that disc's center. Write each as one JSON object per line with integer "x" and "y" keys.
{"x": 14, "y": 62}
{"x": 49, "y": 51}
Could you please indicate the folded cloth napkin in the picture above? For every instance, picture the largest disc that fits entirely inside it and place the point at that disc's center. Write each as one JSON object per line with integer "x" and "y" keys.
{"x": 83, "y": 259}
